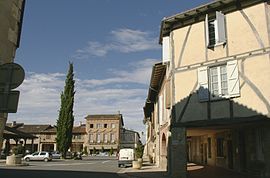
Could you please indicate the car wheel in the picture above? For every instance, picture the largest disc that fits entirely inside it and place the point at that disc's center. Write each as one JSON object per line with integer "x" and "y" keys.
{"x": 46, "y": 159}
{"x": 27, "y": 159}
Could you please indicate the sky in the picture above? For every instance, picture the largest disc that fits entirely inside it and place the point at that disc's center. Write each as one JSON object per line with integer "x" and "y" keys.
{"x": 112, "y": 44}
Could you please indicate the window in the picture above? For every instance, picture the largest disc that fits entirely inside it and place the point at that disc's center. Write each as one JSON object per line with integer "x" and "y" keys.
{"x": 113, "y": 125}
{"x": 218, "y": 81}
{"x": 105, "y": 138}
{"x": 43, "y": 153}
{"x": 105, "y": 125}
{"x": 98, "y": 138}
{"x": 112, "y": 138}
{"x": 209, "y": 147}
{"x": 215, "y": 30}
{"x": 48, "y": 136}
{"x": 99, "y": 126}
{"x": 91, "y": 125}
{"x": 220, "y": 149}
{"x": 91, "y": 138}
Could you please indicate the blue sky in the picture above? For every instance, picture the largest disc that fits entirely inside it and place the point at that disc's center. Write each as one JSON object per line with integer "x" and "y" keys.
{"x": 112, "y": 44}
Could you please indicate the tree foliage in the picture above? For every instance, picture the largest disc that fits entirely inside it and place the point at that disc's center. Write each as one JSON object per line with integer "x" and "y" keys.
{"x": 66, "y": 117}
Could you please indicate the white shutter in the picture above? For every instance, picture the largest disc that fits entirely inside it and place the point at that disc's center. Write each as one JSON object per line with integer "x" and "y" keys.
{"x": 220, "y": 27}
{"x": 233, "y": 79}
{"x": 166, "y": 49}
{"x": 203, "y": 91}
{"x": 206, "y": 30}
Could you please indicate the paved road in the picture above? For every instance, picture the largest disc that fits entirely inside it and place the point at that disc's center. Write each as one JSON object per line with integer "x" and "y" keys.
{"x": 88, "y": 167}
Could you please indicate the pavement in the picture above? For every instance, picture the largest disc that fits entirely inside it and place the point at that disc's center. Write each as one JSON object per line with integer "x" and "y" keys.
{"x": 148, "y": 170}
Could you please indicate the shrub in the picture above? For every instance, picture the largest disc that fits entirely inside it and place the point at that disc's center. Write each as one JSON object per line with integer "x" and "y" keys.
{"x": 85, "y": 150}
{"x": 139, "y": 151}
{"x": 18, "y": 150}
{"x": 111, "y": 151}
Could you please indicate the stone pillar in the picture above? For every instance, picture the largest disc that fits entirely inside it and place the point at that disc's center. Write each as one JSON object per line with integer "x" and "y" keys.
{"x": 54, "y": 147}
{"x": 3, "y": 120}
{"x": 266, "y": 151}
{"x": 157, "y": 150}
{"x": 7, "y": 147}
{"x": 177, "y": 160}
{"x": 40, "y": 147}
{"x": 32, "y": 145}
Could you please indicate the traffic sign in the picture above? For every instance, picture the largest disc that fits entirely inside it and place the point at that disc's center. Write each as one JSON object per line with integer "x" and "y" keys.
{"x": 9, "y": 101}
{"x": 11, "y": 76}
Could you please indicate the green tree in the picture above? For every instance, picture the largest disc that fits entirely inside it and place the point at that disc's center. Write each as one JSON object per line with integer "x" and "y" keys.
{"x": 94, "y": 150}
{"x": 102, "y": 149}
{"x": 85, "y": 150}
{"x": 111, "y": 151}
{"x": 66, "y": 117}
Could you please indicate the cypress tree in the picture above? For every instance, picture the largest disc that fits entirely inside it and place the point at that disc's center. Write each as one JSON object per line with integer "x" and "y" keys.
{"x": 66, "y": 118}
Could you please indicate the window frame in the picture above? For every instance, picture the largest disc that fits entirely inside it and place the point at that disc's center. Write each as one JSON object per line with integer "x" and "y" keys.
{"x": 218, "y": 23}
{"x": 219, "y": 81}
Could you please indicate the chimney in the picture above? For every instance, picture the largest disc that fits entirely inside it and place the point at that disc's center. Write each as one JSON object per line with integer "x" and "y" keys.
{"x": 80, "y": 123}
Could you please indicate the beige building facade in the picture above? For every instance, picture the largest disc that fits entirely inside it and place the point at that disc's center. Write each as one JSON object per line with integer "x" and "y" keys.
{"x": 46, "y": 137}
{"x": 103, "y": 132}
{"x": 217, "y": 60}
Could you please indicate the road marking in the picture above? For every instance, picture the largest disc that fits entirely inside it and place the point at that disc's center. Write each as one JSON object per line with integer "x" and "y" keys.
{"x": 105, "y": 161}
{"x": 70, "y": 164}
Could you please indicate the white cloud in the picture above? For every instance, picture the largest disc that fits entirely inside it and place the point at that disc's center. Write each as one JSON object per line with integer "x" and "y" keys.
{"x": 40, "y": 96}
{"x": 121, "y": 40}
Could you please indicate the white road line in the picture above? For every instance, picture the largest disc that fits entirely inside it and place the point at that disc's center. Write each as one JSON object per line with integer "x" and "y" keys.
{"x": 105, "y": 161}
{"x": 71, "y": 164}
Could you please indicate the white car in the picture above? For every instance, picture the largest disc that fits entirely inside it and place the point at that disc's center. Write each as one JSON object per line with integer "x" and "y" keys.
{"x": 39, "y": 156}
{"x": 125, "y": 157}
{"x": 56, "y": 155}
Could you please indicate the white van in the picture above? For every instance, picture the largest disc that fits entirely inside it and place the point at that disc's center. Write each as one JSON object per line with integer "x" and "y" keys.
{"x": 125, "y": 157}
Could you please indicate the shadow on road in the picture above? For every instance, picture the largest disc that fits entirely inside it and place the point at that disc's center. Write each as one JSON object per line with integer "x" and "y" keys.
{"x": 15, "y": 173}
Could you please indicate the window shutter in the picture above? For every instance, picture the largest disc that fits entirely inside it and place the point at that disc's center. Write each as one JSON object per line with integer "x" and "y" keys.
{"x": 233, "y": 79}
{"x": 203, "y": 91}
{"x": 206, "y": 30}
{"x": 221, "y": 36}
{"x": 166, "y": 49}
{"x": 168, "y": 94}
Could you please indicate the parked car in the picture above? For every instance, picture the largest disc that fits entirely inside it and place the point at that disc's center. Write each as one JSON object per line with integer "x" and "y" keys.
{"x": 69, "y": 155}
{"x": 56, "y": 155}
{"x": 39, "y": 156}
{"x": 125, "y": 157}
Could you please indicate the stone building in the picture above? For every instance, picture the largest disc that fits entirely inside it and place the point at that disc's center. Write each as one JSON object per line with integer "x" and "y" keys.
{"x": 11, "y": 18}
{"x": 45, "y": 137}
{"x": 103, "y": 131}
{"x": 209, "y": 99}
{"x": 129, "y": 138}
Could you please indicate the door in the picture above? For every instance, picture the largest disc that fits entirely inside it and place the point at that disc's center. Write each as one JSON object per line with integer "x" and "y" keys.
{"x": 205, "y": 153}
{"x": 230, "y": 154}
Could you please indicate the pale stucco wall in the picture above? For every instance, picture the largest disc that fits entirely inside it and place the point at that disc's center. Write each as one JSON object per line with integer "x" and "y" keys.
{"x": 254, "y": 82}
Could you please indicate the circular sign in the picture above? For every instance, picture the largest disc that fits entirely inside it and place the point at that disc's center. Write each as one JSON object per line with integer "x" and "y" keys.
{"x": 11, "y": 75}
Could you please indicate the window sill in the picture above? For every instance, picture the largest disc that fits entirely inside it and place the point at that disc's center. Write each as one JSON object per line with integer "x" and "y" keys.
{"x": 216, "y": 45}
